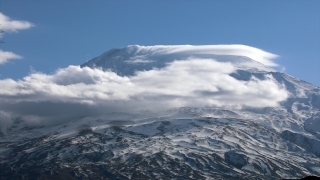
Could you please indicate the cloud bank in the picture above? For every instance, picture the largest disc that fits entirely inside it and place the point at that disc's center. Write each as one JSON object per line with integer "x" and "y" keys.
{"x": 73, "y": 92}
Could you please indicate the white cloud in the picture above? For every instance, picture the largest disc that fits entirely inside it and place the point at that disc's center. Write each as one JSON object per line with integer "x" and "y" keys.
{"x": 256, "y": 54}
{"x": 13, "y": 25}
{"x": 9, "y": 25}
{"x": 73, "y": 91}
{"x": 5, "y": 56}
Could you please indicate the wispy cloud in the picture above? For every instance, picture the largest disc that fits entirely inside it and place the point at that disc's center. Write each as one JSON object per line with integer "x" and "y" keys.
{"x": 9, "y": 25}
{"x": 5, "y": 56}
{"x": 73, "y": 91}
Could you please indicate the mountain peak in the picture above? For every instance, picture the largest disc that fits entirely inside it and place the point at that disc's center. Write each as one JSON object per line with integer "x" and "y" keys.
{"x": 126, "y": 61}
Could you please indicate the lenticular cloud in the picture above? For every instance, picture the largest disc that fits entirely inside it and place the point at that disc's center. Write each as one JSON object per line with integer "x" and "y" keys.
{"x": 73, "y": 91}
{"x": 253, "y": 53}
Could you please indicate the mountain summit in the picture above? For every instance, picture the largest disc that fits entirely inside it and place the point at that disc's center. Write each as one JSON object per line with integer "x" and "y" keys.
{"x": 167, "y": 112}
{"x": 125, "y": 61}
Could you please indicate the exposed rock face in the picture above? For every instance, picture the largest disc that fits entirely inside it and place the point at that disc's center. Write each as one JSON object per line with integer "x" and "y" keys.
{"x": 236, "y": 159}
{"x": 309, "y": 144}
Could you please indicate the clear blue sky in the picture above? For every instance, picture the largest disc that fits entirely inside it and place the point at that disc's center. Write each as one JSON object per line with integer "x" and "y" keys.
{"x": 72, "y": 32}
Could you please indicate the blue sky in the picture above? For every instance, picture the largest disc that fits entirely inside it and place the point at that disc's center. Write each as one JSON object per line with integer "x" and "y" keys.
{"x": 72, "y": 32}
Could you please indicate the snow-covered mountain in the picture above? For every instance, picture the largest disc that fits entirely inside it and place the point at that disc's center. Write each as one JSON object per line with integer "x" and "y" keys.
{"x": 206, "y": 142}
{"x": 126, "y": 61}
